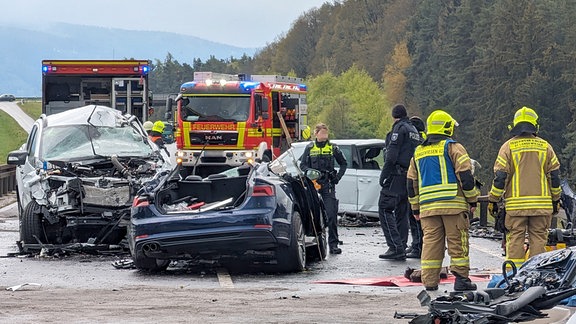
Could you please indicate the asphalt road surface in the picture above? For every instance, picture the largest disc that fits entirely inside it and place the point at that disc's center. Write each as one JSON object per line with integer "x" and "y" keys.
{"x": 82, "y": 288}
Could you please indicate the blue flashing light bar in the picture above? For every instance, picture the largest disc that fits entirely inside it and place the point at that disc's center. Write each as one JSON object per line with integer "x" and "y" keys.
{"x": 303, "y": 87}
{"x": 45, "y": 68}
{"x": 248, "y": 86}
{"x": 145, "y": 69}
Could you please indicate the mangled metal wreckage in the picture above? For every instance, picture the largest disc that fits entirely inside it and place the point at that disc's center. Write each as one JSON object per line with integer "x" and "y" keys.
{"x": 78, "y": 174}
{"x": 541, "y": 283}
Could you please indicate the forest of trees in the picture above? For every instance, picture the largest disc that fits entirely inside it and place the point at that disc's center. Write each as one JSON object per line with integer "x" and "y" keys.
{"x": 478, "y": 60}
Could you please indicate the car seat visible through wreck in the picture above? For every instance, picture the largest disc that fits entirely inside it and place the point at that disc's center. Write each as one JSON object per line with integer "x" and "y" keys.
{"x": 369, "y": 162}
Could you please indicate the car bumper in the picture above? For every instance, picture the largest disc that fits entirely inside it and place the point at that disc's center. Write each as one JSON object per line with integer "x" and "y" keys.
{"x": 191, "y": 244}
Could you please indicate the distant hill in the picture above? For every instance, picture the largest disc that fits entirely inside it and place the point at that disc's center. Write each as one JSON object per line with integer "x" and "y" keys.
{"x": 22, "y": 50}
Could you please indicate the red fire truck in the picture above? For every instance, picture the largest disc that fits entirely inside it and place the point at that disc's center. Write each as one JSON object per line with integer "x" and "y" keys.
{"x": 225, "y": 120}
{"x": 120, "y": 84}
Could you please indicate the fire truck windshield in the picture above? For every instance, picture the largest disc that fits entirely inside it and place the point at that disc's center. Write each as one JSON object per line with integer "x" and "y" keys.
{"x": 226, "y": 108}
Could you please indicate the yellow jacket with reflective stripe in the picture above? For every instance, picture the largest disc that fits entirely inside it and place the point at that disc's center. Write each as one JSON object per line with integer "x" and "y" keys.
{"x": 527, "y": 160}
{"x": 449, "y": 199}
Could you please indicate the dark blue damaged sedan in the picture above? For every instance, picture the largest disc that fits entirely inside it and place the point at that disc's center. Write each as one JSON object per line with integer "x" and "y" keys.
{"x": 249, "y": 212}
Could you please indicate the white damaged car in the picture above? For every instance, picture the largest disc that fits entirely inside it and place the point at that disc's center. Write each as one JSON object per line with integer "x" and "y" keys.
{"x": 78, "y": 173}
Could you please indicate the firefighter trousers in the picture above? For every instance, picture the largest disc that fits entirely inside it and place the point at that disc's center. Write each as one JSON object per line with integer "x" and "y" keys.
{"x": 439, "y": 230}
{"x": 537, "y": 228}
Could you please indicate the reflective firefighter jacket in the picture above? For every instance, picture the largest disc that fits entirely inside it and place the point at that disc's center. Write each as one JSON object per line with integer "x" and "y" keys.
{"x": 527, "y": 176}
{"x": 441, "y": 179}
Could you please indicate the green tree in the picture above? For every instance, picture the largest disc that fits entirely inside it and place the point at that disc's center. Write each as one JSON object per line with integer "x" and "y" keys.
{"x": 352, "y": 104}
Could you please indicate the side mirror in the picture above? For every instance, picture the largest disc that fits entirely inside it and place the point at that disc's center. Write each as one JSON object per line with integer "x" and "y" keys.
{"x": 313, "y": 174}
{"x": 17, "y": 157}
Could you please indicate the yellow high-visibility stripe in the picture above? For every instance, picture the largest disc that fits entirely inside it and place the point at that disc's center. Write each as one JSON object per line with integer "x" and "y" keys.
{"x": 543, "y": 180}
{"x": 517, "y": 262}
{"x": 430, "y": 264}
{"x": 496, "y": 191}
{"x": 460, "y": 262}
{"x": 528, "y": 202}
{"x": 471, "y": 193}
{"x": 554, "y": 160}
{"x": 500, "y": 160}
{"x": 438, "y": 187}
{"x": 414, "y": 200}
{"x": 445, "y": 204}
{"x": 241, "y": 127}
{"x": 515, "y": 177}
{"x": 464, "y": 242}
{"x": 463, "y": 158}
{"x": 443, "y": 172}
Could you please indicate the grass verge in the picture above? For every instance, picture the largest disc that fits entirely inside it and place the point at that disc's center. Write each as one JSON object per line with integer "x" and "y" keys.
{"x": 12, "y": 136}
{"x": 32, "y": 108}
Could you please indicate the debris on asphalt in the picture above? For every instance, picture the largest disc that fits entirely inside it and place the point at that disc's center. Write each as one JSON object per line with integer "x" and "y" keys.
{"x": 18, "y": 287}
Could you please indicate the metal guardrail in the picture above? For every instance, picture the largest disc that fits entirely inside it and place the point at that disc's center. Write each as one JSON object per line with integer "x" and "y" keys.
{"x": 7, "y": 179}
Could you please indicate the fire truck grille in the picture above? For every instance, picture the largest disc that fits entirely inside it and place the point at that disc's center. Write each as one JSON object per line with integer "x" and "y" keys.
{"x": 214, "y": 138}
{"x": 213, "y": 159}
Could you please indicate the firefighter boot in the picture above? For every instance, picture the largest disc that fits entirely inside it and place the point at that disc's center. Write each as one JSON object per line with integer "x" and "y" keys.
{"x": 463, "y": 283}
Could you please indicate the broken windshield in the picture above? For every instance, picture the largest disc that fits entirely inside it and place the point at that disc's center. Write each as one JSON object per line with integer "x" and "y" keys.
{"x": 229, "y": 108}
{"x": 77, "y": 142}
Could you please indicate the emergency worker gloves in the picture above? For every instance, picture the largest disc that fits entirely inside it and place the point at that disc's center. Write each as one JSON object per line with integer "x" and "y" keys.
{"x": 334, "y": 177}
{"x": 493, "y": 208}
{"x": 555, "y": 206}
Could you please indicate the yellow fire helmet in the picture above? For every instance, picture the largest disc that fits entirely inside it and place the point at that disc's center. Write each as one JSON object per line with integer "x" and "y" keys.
{"x": 440, "y": 122}
{"x": 158, "y": 126}
{"x": 306, "y": 133}
{"x": 525, "y": 121}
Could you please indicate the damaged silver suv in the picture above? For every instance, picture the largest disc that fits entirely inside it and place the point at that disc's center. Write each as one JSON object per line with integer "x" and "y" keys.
{"x": 78, "y": 173}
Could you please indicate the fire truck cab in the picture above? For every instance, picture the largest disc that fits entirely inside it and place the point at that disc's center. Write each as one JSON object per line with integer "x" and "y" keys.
{"x": 226, "y": 120}
{"x": 120, "y": 84}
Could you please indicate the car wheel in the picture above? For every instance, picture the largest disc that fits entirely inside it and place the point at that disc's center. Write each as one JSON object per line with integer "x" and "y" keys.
{"x": 319, "y": 251}
{"x": 147, "y": 264}
{"x": 293, "y": 257}
{"x": 31, "y": 224}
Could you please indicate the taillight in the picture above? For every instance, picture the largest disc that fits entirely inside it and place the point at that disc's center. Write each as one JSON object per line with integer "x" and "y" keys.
{"x": 140, "y": 202}
{"x": 262, "y": 191}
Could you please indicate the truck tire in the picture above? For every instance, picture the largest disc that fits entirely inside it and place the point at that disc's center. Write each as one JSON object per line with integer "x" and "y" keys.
{"x": 31, "y": 224}
{"x": 147, "y": 264}
{"x": 292, "y": 258}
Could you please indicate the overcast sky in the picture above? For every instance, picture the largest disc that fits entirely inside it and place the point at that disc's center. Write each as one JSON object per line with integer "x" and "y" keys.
{"x": 248, "y": 23}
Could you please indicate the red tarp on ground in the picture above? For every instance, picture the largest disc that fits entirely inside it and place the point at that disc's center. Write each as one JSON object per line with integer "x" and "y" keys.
{"x": 395, "y": 281}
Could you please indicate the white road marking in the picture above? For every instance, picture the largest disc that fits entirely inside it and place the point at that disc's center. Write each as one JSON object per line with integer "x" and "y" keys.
{"x": 224, "y": 278}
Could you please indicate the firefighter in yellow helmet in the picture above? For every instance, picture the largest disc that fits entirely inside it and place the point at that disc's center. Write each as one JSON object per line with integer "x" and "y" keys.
{"x": 443, "y": 195}
{"x": 155, "y": 134}
{"x": 527, "y": 177}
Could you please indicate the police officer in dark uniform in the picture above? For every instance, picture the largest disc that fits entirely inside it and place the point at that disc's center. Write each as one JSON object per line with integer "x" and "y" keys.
{"x": 320, "y": 155}
{"x": 415, "y": 249}
{"x": 393, "y": 206}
